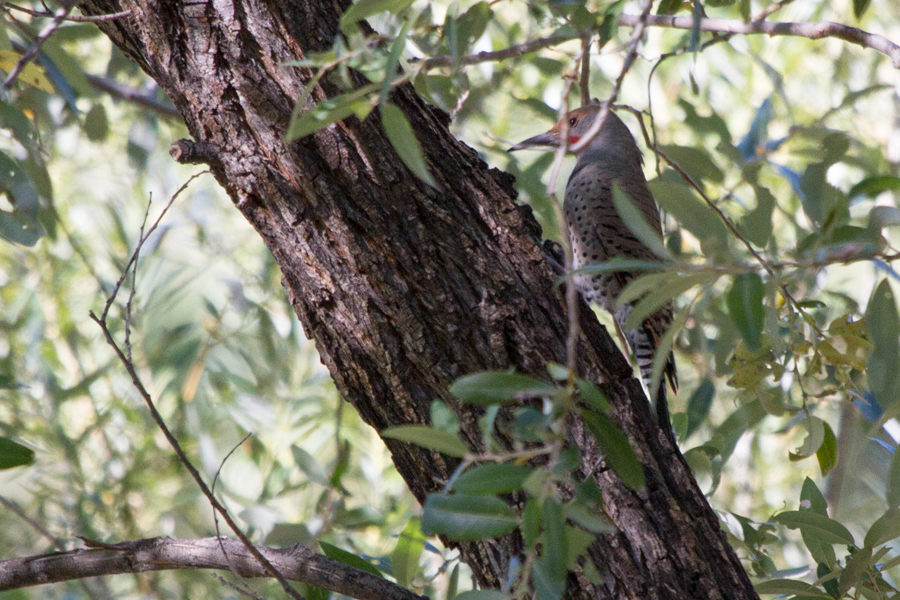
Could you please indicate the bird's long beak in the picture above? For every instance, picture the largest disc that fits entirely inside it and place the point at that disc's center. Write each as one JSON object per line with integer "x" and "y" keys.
{"x": 545, "y": 140}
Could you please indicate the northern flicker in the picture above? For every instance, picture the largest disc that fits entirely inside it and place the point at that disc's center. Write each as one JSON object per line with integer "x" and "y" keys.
{"x": 598, "y": 233}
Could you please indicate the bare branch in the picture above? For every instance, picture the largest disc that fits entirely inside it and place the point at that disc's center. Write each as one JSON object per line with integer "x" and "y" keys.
{"x": 813, "y": 31}
{"x": 511, "y": 52}
{"x": 163, "y": 554}
{"x": 74, "y": 18}
{"x": 59, "y": 16}
{"x": 129, "y": 94}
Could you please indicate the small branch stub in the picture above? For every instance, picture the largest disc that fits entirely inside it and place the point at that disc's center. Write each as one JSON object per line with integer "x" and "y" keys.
{"x": 189, "y": 152}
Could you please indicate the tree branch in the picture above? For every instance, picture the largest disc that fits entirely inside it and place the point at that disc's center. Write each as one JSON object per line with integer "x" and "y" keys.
{"x": 813, "y": 31}
{"x": 74, "y": 18}
{"x": 163, "y": 554}
{"x": 58, "y": 17}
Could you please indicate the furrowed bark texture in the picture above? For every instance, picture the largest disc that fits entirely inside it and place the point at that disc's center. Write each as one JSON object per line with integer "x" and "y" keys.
{"x": 405, "y": 287}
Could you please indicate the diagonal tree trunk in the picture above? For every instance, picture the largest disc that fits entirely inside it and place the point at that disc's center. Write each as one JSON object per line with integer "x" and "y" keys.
{"x": 405, "y": 287}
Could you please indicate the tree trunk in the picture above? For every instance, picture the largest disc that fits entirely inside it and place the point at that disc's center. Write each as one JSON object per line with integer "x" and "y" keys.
{"x": 405, "y": 287}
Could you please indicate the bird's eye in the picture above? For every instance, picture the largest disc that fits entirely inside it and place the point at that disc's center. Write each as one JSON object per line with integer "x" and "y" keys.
{"x": 572, "y": 121}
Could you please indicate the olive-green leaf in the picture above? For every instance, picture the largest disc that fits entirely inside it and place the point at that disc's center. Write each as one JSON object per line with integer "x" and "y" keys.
{"x": 637, "y": 223}
{"x": 366, "y": 8}
{"x": 694, "y": 215}
{"x": 745, "y": 305}
{"x": 872, "y": 186}
{"x": 695, "y": 162}
{"x": 818, "y": 526}
{"x": 815, "y": 428}
{"x": 592, "y": 394}
{"x": 547, "y": 586}
{"x": 893, "y": 482}
{"x": 617, "y": 451}
{"x": 827, "y": 454}
{"x": 348, "y": 558}
{"x": 400, "y": 132}
{"x": 860, "y": 7}
{"x": 884, "y": 359}
{"x": 309, "y": 465}
{"x": 699, "y": 404}
{"x": 13, "y": 454}
{"x": 885, "y": 529}
{"x": 406, "y": 555}
{"x": 650, "y": 303}
{"x": 427, "y": 437}
{"x": 356, "y": 103}
{"x": 462, "y": 517}
{"x": 492, "y": 479}
{"x": 483, "y": 595}
{"x": 790, "y": 587}
{"x": 497, "y": 387}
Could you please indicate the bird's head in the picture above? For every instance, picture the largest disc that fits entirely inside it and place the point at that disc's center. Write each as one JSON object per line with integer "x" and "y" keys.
{"x": 578, "y": 122}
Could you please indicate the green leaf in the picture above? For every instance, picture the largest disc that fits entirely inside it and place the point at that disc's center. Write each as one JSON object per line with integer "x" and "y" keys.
{"x": 13, "y": 454}
{"x": 348, "y": 558}
{"x": 577, "y": 542}
{"x": 546, "y": 585}
{"x": 492, "y": 479}
{"x": 694, "y": 215}
{"x": 810, "y": 494}
{"x": 860, "y": 7}
{"x": 427, "y": 437}
{"x": 283, "y": 535}
{"x": 884, "y": 332}
{"x": 554, "y": 553}
{"x": 468, "y": 29}
{"x": 699, "y": 404}
{"x": 482, "y": 595}
{"x": 405, "y": 557}
{"x": 695, "y": 162}
{"x": 745, "y": 10}
{"x": 96, "y": 125}
{"x": 885, "y": 529}
{"x": 871, "y": 187}
{"x": 462, "y": 517}
{"x": 592, "y": 394}
{"x": 618, "y": 264}
{"x": 661, "y": 296}
{"x": 309, "y": 465}
{"x": 364, "y": 9}
{"x": 818, "y": 526}
{"x": 357, "y": 103}
{"x": 531, "y": 522}
{"x": 635, "y": 221}
{"x": 453, "y": 585}
{"x": 893, "y": 482}
{"x": 19, "y": 228}
{"x": 669, "y": 7}
{"x": 745, "y": 306}
{"x": 790, "y": 587}
{"x": 618, "y": 453}
{"x": 400, "y": 132}
{"x": 855, "y": 568}
{"x": 17, "y": 184}
{"x": 827, "y": 454}
{"x": 498, "y": 387}
{"x": 757, "y": 224}
{"x": 816, "y": 435}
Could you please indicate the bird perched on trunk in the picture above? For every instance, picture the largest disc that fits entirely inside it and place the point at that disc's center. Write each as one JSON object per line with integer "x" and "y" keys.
{"x": 598, "y": 233}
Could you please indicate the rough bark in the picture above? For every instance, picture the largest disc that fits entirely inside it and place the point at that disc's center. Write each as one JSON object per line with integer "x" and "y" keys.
{"x": 405, "y": 287}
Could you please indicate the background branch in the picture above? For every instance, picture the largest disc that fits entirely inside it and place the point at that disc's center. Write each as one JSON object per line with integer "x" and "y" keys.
{"x": 811, "y": 31}
{"x": 163, "y": 554}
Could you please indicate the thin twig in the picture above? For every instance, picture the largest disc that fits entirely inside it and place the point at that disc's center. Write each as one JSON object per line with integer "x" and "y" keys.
{"x": 157, "y": 417}
{"x": 58, "y": 17}
{"x": 73, "y": 18}
{"x": 813, "y": 31}
{"x": 585, "y": 81}
{"x": 34, "y": 524}
{"x": 134, "y": 96}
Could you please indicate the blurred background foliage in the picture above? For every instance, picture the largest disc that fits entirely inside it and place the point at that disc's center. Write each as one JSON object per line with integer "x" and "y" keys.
{"x": 786, "y": 375}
